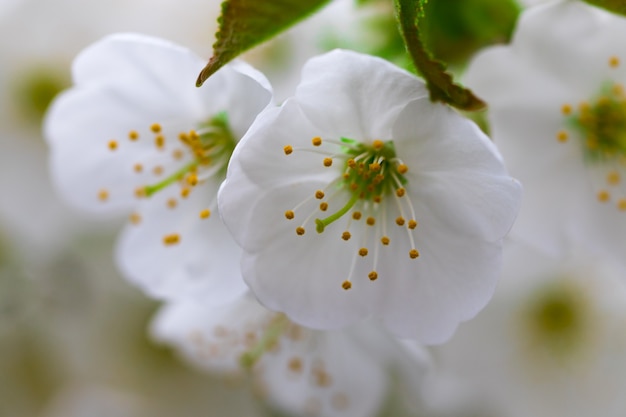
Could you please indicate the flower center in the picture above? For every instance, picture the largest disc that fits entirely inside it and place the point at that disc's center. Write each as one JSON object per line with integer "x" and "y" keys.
{"x": 34, "y": 90}
{"x": 194, "y": 157}
{"x": 370, "y": 176}
{"x": 556, "y": 320}
{"x": 211, "y": 146}
{"x": 600, "y": 125}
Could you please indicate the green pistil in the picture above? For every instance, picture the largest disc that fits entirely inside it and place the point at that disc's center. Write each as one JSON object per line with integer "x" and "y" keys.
{"x": 216, "y": 135}
{"x": 322, "y": 223}
{"x": 603, "y": 125}
{"x": 269, "y": 339}
{"x": 151, "y": 189}
{"x": 370, "y": 173}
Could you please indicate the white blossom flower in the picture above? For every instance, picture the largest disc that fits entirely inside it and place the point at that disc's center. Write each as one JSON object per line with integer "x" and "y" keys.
{"x": 134, "y": 135}
{"x": 325, "y": 193}
{"x": 297, "y": 370}
{"x": 558, "y": 114}
{"x": 550, "y": 343}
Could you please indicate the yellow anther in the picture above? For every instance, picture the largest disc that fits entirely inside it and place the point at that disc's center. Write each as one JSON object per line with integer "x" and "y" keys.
{"x": 346, "y": 235}
{"x": 566, "y": 109}
{"x": 316, "y": 141}
{"x": 375, "y": 167}
{"x": 613, "y": 178}
{"x": 351, "y": 163}
{"x": 155, "y": 128}
{"x": 172, "y": 239}
{"x": 618, "y": 89}
{"x": 363, "y": 251}
{"x": 289, "y": 214}
{"x": 193, "y": 135}
{"x": 346, "y": 285}
{"x": 403, "y": 169}
{"x": 328, "y": 162}
{"x": 192, "y": 179}
{"x": 378, "y": 144}
{"x": 103, "y": 195}
{"x": 370, "y": 221}
{"x": 288, "y": 149}
{"x": 172, "y": 203}
{"x": 133, "y": 135}
{"x": 112, "y": 145}
{"x": 413, "y": 253}
{"x": 592, "y": 143}
{"x": 562, "y": 136}
{"x": 135, "y": 218}
{"x": 140, "y": 192}
{"x": 584, "y": 107}
{"x": 354, "y": 186}
{"x": 205, "y": 214}
{"x": 373, "y": 276}
{"x": 400, "y": 192}
{"x": 185, "y": 191}
{"x": 295, "y": 365}
{"x": 300, "y": 230}
{"x": 377, "y": 199}
{"x": 412, "y": 224}
{"x": 177, "y": 154}
{"x": 385, "y": 240}
{"x": 603, "y": 196}
{"x": 613, "y": 62}
{"x": 157, "y": 170}
{"x": 324, "y": 206}
{"x": 319, "y": 194}
{"x": 356, "y": 215}
{"x": 159, "y": 141}
{"x": 400, "y": 221}
{"x": 378, "y": 179}
{"x": 138, "y": 168}
{"x": 621, "y": 204}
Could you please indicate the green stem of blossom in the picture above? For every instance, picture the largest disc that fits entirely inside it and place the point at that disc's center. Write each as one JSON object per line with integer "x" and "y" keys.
{"x": 322, "y": 223}
{"x": 151, "y": 189}
{"x": 268, "y": 340}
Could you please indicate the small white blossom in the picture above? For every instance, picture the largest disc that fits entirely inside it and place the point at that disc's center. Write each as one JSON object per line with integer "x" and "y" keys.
{"x": 550, "y": 343}
{"x": 134, "y": 135}
{"x": 297, "y": 370}
{"x": 558, "y": 113}
{"x": 325, "y": 194}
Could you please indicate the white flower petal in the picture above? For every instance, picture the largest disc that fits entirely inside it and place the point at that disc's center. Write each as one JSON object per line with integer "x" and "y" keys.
{"x": 359, "y": 98}
{"x": 204, "y": 263}
{"x": 457, "y": 171}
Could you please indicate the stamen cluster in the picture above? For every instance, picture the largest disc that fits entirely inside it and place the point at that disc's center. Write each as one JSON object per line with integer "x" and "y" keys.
{"x": 371, "y": 175}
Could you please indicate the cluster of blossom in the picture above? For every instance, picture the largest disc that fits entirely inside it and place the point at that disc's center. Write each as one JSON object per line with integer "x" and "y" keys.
{"x": 300, "y": 241}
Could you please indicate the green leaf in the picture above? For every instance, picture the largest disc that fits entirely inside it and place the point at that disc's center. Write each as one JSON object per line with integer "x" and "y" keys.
{"x": 454, "y": 30}
{"x": 244, "y": 24}
{"x": 440, "y": 83}
{"x": 615, "y": 6}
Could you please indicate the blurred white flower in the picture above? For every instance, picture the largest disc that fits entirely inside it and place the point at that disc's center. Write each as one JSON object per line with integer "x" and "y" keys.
{"x": 297, "y": 370}
{"x": 550, "y": 343}
{"x": 325, "y": 194}
{"x": 558, "y": 114}
{"x": 135, "y": 135}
